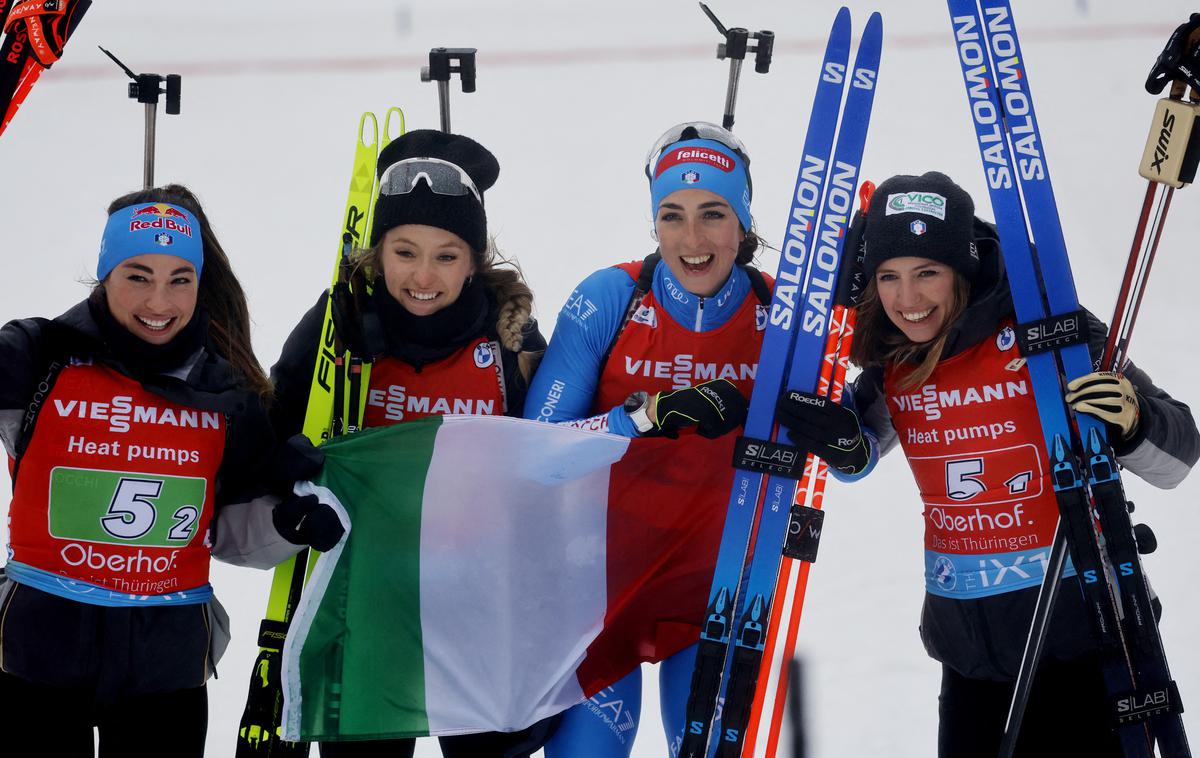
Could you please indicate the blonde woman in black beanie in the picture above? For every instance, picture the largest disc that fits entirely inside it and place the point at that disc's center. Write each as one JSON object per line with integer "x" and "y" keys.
{"x": 943, "y": 378}
{"x": 443, "y": 315}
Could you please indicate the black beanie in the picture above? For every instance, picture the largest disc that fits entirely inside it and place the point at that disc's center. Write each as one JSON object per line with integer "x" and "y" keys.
{"x": 461, "y": 214}
{"x": 927, "y": 216}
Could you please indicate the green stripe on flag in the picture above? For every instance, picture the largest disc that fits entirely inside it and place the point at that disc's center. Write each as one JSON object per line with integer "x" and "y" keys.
{"x": 387, "y": 656}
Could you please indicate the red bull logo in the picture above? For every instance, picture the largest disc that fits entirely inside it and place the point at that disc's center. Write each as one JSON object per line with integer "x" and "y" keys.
{"x": 160, "y": 216}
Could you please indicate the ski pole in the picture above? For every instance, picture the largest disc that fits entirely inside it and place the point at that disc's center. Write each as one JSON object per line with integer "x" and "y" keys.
{"x": 735, "y": 47}
{"x": 444, "y": 62}
{"x": 32, "y": 38}
{"x": 1169, "y": 162}
{"x": 146, "y": 89}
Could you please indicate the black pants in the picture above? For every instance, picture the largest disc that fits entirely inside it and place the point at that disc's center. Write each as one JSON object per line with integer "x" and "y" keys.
{"x": 1066, "y": 714}
{"x": 520, "y": 744}
{"x": 61, "y": 722}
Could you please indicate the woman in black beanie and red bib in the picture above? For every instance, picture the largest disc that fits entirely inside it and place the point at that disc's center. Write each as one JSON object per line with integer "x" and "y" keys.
{"x": 943, "y": 378}
{"x": 448, "y": 329}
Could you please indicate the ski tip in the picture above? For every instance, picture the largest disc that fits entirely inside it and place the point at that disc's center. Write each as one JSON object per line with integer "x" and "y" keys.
{"x": 393, "y": 124}
{"x": 368, "y": 129}
{"x": 874, "y": 25}
{"x": 842, "y": 19}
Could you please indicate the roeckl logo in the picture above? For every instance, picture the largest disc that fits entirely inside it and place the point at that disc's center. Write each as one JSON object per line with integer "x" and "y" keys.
{"x": 1161, "y": 151}
{"x": 808, "y": 399}
{"x": 713, "y": 397}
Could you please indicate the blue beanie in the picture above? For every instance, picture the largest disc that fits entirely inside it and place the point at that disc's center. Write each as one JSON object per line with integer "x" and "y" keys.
{"x": 147, "y": 228}
{"x": 702, "y": 164}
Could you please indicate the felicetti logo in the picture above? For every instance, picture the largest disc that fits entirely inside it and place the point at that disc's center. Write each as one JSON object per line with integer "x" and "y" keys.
{"x": 160, "y": 216}
{"x": 702, "y": 155}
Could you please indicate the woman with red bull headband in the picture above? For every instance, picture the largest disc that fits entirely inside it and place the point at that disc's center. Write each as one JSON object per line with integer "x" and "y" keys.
{"x": 942, "y": 377}
{"x": 443, "y": 315}
{"x": 695, "y": 309}
{"x": 135, "y": 429}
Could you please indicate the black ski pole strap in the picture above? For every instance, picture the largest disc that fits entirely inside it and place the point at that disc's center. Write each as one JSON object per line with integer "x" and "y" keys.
{"x": 1143, "y": 705}
{"x": 767, "y": 457}
{"x": 1052, "y": 333}
{"x": 804, "y": 533}
{"x": 46, "y": 24}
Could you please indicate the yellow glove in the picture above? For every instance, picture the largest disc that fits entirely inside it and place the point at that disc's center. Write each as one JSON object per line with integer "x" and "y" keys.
{"x": 1108, "y": 396}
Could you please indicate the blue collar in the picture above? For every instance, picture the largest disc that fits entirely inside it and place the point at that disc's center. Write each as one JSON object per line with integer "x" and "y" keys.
{"x": 696, "y": 313}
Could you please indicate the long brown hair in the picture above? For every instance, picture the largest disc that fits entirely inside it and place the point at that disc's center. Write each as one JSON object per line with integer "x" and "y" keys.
{"x": 879, "y": 342}
{"x": 749, "y": 247}
{"x": 501, "y": 276}
{"x": 220, "y": 292}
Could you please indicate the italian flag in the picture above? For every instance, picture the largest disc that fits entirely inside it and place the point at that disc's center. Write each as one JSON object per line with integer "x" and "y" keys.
{"x": 496, "y": 571}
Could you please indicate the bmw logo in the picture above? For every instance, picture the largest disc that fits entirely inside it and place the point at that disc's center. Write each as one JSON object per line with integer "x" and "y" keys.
{"x": 1006, "y": 338}
{"x": 484, "y": 356}
{"x": 943, "y": 573}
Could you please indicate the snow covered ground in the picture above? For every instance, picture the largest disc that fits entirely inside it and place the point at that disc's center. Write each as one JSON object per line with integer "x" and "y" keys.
{"x": 570, "y": 96}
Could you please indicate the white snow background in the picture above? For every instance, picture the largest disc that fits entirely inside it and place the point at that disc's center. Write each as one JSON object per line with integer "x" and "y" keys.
{"x": 570, "y": 97}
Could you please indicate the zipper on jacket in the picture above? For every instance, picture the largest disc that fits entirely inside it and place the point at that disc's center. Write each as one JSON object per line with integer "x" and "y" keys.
{"x": 699, "y": 315}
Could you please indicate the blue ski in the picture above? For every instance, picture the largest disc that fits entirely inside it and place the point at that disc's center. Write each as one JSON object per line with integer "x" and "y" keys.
{"x": 792, "y": 280}
{"x": 808, "y": 353}
{"x": 1012, "y": 150}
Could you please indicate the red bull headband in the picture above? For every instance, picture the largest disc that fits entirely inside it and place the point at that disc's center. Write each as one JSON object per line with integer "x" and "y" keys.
{"x": 148, "y": 228}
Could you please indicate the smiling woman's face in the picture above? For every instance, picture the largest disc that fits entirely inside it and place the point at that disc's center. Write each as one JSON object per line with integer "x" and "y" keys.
{"x": 153, "y": 296}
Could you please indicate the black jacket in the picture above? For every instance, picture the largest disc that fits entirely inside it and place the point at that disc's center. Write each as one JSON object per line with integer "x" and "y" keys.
{"x": 984, "y": 638}
{"x": 119, "y": 652}
{"x": 292, "y": 373}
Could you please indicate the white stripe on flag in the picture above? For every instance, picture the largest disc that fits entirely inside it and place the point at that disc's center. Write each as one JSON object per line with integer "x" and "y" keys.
{"x": 513, "y": 577}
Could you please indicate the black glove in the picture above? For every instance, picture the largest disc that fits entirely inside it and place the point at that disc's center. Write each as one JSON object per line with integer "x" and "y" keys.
{"x": 820, "y": 426}
{"x": 714, "y": 408}
{"x": 296, "y": 460}
{"x": 304, "y": 520}
{"x": 1177, "y": 62}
